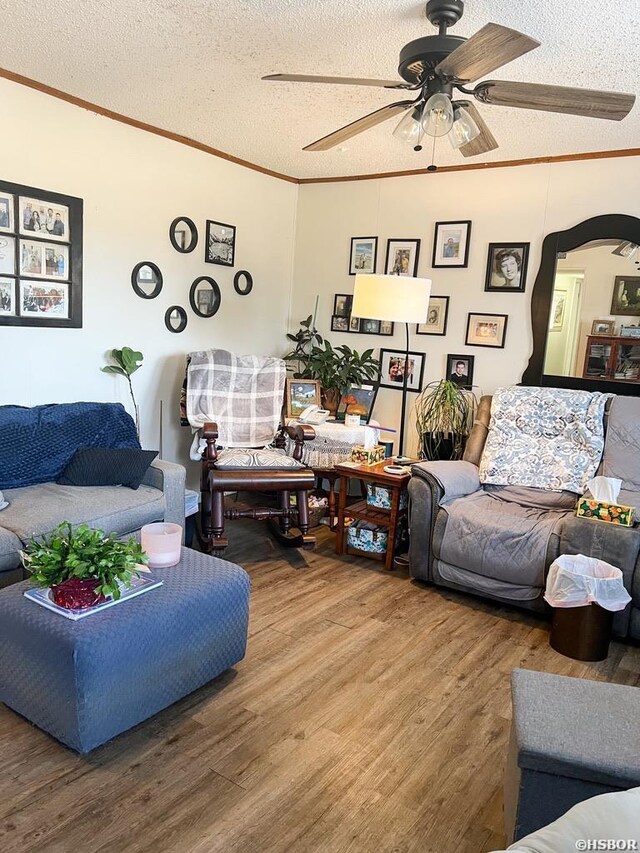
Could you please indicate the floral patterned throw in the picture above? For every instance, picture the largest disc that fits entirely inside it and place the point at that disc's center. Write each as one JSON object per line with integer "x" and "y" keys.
{"x": 544, "y": 438}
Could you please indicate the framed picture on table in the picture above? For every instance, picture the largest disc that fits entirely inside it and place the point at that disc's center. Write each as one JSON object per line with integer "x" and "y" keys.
{"x": 357, "y": 400}
{"x": 300, "y": 394}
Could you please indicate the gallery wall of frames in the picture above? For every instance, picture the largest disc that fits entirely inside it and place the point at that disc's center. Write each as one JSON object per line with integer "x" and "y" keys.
{"x": 506, "y": 272}
{"x": 40, "y": 257}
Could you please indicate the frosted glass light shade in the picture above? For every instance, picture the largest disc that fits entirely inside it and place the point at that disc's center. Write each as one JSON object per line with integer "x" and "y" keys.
{"x": 437, "y": 118}
{"x": 399, "y": 298}
{"x": 464, "y": 128}
{"x": 409, "y": 129}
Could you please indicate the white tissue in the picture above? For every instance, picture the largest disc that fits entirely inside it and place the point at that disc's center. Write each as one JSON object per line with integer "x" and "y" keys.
{"x": 604, "y": 489}
{"x": 370, "y": 438}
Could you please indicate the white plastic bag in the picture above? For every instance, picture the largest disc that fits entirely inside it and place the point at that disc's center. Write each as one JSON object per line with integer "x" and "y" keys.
{"x": 575, "y": 580}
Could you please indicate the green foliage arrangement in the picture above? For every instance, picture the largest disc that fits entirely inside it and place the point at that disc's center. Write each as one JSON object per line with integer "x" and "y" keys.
{"x": 444, "y": 417}
{"x": 127, "y": 361}
{"x": 315, "y": 358}
{"x": 84, "y": 554}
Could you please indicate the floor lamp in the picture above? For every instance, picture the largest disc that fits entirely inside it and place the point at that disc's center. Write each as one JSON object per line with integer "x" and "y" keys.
{"x": 401, "y": 299}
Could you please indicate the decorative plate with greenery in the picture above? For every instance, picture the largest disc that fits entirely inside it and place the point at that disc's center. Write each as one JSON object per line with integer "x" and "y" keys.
{"x": 84, "y": 554}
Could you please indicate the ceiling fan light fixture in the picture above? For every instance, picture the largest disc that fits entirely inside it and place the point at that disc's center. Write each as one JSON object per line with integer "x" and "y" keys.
{"x": 409, "y": 129}
{"x": 464, "y": 128}
{"x": 437, "y": 118}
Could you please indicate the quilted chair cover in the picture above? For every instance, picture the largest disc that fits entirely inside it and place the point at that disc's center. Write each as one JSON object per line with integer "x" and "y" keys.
{"x": 36, "y": 443}
{"x": 243, "y": 394}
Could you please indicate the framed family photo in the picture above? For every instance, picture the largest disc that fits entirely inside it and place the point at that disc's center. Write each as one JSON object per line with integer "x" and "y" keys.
{"x": 301, "y": 393}
{"x": 507, "y": 267}
{"x": 7, "y": 254}
{"x": 342, "y": 304}
{"x": 626, "y": 296}
{"x": 6, "y": 212}
{"x": 393, "y": 366}
{"x": 603, "y": 327}
{"x": 451, "y": 244}
{"x": 364, "y": 251}
{"x": 486, "y": 330}
{"x": 220, "y": 243}
{"x": 339, "y": 323}
{"x": 43, "y": 219}
{"x": 437, "y": 316}
{"x": 7, "y": 297}
{"x": 369, "y": 327}
{"x": 354, "y": 324}
{"x": 460, "y": 370}
{"x": 402, "y": 257}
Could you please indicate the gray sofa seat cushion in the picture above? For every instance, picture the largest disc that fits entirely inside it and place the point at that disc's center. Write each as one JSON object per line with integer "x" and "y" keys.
{"x": 10, "y": 545}
{"x": 621, "y": 458}
{"x": 498, "y": 538}
{"x": 586, "y": 730}
{"x": 34, "y": 510}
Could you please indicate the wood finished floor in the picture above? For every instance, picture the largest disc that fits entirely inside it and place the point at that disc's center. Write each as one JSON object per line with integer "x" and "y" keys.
{"x": 370, "y": 714}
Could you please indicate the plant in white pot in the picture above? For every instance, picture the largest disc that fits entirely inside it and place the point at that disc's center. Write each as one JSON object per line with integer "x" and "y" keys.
{"x": 82, "y": 567}
{"x": 444, "y": 417}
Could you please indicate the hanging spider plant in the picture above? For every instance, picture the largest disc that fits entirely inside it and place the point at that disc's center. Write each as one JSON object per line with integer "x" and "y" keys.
{"x": 444, "y": 417}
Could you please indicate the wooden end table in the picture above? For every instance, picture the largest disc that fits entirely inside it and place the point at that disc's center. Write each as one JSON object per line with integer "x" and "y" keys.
{"x": 389, "y": 518}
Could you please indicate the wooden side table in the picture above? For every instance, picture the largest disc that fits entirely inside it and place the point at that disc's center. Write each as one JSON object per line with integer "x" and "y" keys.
{"x": 389, "y": 518}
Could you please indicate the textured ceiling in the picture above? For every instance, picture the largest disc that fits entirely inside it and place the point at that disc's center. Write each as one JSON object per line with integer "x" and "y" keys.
{"x": 193, "y": 67}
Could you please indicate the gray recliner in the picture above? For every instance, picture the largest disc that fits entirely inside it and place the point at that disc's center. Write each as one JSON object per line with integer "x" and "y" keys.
{"x": 499, "y": 541}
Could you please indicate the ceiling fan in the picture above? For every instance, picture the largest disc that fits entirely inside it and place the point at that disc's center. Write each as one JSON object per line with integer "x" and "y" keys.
{"x": 433, "y": 66}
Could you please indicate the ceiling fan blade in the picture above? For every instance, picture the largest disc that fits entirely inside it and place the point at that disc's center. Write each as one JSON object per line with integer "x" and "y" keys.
{"x": 490, "y": 48}
{"x": 358, "y": 126}
{"x": 344, "y": 81}
{"x": 556, "y": 99}
{"x": 483, "y": 143}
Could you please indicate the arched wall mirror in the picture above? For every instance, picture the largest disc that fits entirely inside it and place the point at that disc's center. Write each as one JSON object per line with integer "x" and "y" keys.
{"x": 183, "y": 234}
{"x": 204, "y": 296}
{"x": 585, "y": 308}
{"x": 146, "y": 280}
{"x": 175, "y": 318}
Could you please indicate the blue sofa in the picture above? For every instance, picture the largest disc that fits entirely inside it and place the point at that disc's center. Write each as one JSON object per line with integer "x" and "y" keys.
{"x": 35, "y": 446}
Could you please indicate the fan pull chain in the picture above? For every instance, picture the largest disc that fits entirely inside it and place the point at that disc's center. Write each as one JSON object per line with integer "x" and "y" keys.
{"x": 432, "y": 166}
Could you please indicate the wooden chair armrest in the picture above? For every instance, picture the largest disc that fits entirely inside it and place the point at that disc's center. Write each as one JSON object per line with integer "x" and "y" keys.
{"x": 300, "y": 432}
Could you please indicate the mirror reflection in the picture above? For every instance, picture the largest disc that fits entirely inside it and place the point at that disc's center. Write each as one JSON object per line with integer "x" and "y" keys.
{"x": 183, "y": 234}
{"x": 146, "y": 280}
{"x": 204, "y": 296}
{"x": 175, "y": 319}
{"x": 594, "y": 325}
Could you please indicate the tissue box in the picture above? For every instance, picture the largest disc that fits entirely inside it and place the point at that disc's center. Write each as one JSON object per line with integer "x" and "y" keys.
{"x": 602, "y": 511}
{"x": 367, "y": 456}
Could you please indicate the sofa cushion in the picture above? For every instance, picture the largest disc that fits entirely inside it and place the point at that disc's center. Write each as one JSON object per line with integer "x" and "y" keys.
{"x": 107, "y": 466}
{"x": 10, "y": 545}
{"x": 36, "y": 443}
{"x": 35, "y": 510}
{"x": 496, "y": 538}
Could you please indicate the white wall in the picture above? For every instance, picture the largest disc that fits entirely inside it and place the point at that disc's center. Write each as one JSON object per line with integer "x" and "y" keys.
{"x": 133, "y": 185}
{"x": 511, "y": 204}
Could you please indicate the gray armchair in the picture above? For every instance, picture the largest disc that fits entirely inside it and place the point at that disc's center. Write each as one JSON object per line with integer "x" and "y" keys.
{"x": 499, "y": 541}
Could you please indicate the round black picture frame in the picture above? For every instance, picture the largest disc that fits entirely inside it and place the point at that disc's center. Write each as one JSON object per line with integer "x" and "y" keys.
{"x": 134, "y": 280}
{"x": 249, "y": 282}
{"x": 191, "y": 225}
{"x": 183, "y": 319}
{"x": 216, "y": 293}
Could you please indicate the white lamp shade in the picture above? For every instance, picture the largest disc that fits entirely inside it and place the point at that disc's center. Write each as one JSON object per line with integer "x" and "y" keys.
{"x": 401, "y": 299}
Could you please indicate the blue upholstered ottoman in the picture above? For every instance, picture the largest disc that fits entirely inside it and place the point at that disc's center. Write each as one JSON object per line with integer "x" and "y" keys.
{"x": 85, "y": 682}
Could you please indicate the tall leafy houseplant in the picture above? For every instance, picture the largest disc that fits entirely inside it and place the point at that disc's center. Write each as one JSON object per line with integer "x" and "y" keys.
{"x": 127, "y": 361}
{"x": 444, "y": 417}
{"x": 313, "y": 357}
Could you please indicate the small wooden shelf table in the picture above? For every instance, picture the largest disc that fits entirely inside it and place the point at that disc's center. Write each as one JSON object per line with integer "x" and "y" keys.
{"x": 389, "y": 518}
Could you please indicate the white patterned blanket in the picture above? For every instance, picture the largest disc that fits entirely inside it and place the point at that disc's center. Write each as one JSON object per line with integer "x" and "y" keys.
{"x": 544, "y": 438}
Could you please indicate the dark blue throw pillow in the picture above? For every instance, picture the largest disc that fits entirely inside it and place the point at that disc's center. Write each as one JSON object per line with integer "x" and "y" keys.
{"x": 107, "y": 466}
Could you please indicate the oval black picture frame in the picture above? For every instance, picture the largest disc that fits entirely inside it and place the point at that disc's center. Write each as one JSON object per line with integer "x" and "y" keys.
{"x": 134, "y": 280}
{"x": 183, "y": 319}
{"x": 191, "y": 225}
{"x": 216, "y": 293}
{"x": 249, "y": 282}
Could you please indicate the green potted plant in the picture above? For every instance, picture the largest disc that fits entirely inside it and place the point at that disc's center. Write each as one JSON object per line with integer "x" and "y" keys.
{"x": 336, "y": 368}
{"x": 444, "y": 417}
{"x": 82, "y": 567}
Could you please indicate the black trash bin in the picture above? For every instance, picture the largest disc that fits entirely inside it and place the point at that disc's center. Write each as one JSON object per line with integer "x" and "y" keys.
{"x": 581, "y": 633}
